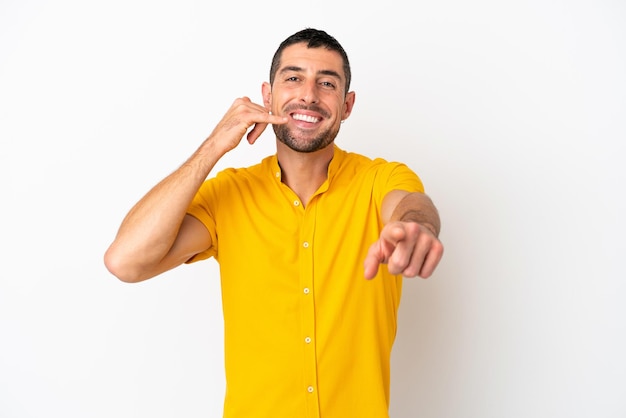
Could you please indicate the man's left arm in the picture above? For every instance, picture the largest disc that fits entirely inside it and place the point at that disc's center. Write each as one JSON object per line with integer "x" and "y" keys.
{"x": 408, "y": 242}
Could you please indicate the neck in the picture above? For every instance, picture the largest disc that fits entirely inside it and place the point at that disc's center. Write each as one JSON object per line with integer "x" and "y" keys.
{"x": 304, "y": 172}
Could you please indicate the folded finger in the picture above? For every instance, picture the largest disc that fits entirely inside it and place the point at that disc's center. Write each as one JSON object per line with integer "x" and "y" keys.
{"x": 431, "y": 260}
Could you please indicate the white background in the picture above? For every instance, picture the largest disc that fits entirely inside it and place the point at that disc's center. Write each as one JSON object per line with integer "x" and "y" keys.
{"x": 512, "y": 113}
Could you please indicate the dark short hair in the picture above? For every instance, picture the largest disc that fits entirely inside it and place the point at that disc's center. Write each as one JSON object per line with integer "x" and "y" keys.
{"x": 313, "y": 38}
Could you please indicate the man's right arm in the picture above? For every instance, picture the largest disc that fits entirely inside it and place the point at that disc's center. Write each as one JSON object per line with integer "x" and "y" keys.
{"x": 157, "y": 234}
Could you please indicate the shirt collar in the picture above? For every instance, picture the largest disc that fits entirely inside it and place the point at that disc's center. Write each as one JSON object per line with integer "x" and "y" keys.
{"x": 333, "y": 167}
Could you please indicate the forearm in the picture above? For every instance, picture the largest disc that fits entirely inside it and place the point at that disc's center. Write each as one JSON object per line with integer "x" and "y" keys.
{"x": 150, "y": 228}
{"x": 419, "y": 208}
{"x": 154, "y": 236}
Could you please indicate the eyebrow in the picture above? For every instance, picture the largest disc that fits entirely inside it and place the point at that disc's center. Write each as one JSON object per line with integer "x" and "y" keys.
{"x": 300, "y": 69}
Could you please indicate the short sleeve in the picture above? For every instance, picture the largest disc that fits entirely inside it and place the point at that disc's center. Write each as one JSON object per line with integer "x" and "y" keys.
{"x": 395, "y": 176}
{"x": 202, "y": 207}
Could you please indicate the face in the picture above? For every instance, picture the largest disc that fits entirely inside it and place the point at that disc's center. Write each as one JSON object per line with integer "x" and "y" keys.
{"x": 308, "y": 88}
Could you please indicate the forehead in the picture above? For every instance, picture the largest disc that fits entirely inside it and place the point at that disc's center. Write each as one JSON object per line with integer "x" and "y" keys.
{"x": 311, "y": 59}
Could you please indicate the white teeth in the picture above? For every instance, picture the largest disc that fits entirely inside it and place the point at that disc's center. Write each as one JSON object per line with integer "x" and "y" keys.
{"x": 305, "y": 118}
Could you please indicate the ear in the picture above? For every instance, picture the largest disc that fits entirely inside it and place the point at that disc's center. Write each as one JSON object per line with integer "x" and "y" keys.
{"x": 348, "y": 104}
{"x": 266, "y": 91}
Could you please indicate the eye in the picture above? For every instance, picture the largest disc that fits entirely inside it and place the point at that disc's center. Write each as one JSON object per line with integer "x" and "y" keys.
{"x": 328, "y": 84}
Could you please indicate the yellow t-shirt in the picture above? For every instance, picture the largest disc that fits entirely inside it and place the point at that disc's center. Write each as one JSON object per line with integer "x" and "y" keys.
{"x": 305, "y": 334}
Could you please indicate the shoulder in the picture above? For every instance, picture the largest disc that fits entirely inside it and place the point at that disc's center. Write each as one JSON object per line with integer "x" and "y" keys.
{"x": 236, "y": 183}
{"x": 254, "y": 172}
{"x": 377, "y": 166}
{"x": 384, "y": 175}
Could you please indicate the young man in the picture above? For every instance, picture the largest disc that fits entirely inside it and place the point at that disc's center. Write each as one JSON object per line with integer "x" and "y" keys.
{"x": 310, "y": 315}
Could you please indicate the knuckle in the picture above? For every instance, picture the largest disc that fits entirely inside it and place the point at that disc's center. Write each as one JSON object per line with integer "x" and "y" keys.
{"x": 437, "y": 247}
{"x": 412, "y": 228}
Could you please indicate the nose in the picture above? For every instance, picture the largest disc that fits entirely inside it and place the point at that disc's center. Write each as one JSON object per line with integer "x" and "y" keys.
{"x": 309, "y": 92}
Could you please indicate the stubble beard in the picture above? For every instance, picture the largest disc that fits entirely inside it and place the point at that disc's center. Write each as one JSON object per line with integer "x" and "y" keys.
{"x": 321, "y": 141}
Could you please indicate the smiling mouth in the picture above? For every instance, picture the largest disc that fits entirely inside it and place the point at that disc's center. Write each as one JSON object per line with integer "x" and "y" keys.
{"x": 305, "y": 118}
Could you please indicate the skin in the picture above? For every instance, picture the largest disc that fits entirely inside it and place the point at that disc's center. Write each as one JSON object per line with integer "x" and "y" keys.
{"x": 308, "y": 84}
{"x": 306, "y": 105}
{"x": 408, "y": 242}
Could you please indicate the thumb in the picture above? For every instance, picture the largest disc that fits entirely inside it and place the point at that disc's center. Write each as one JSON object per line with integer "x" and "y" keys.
{"x": 372, "y": 260}
{"x": 380, "y": 251}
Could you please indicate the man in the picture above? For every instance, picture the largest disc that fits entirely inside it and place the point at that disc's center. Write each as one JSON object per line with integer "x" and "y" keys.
{"x": 309, "y": 313}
